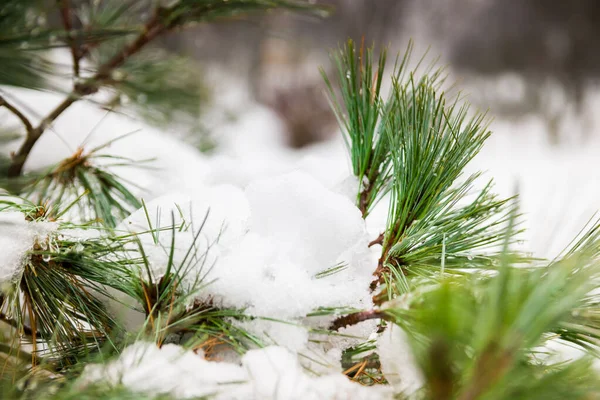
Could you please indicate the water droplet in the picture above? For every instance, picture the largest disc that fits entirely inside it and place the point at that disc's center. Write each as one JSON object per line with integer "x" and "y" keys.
{"x": 470, "y": 257}
{"x": 348, "y": 74}
{"x": 46, "y": 257}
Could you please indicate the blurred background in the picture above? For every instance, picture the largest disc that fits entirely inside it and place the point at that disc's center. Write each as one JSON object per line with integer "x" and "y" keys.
{"x": 519, "y": 58}
{"x": 258, "y": 103}
{"x": 533, "y": 64}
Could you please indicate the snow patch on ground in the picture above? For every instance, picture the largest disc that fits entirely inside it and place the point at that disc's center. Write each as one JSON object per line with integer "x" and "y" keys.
{"x": 269, "y": 373}
{"x": 264, "y": 250}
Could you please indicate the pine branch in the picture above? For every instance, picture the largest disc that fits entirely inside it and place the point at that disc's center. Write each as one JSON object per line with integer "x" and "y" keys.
{"x": 151, "y": 30}
{"x": 57, "y": 289}
{"x": 474, "y": 336}
{"x": 99, "y": 196}
{"x": 163, "y": 20}
{"x": 377, "y": 240}
{"x": 18, "y": 159}
{"x": 17, "y": 113}
{"x": 414, "y": 145}
{"x": 355, "y": 318}
{"x": 66, "y": 15}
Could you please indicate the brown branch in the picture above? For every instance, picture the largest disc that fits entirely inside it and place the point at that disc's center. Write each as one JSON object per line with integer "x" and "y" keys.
{"x": 355, "y": 318}
{"x": 363, "y": 205}
{"x": 152, "y": 29}
{"x": 378, "y": 240}
{"x": 381, "y": 269}
{"x": 490, "y": 368}
{"x": 65, "y": 13}
{"x": 365, "y": 194}
{"x": 17, "y": 113}
{"x": 395, "y": 236}
{"x": 33, "y": 135}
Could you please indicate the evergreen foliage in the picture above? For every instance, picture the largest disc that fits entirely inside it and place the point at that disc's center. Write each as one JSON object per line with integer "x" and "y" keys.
{"x": 97, "y": 193}
{"x": 414, "y": 147}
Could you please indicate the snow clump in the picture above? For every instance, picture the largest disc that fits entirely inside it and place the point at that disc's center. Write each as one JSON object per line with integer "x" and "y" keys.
{"x": 17, "y": 237}
{"x": 267, "y": 249}
{"x": 268, "y": 373}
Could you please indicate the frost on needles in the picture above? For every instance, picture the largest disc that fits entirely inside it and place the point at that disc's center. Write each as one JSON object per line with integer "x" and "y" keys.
{"x": 281, "y": 288}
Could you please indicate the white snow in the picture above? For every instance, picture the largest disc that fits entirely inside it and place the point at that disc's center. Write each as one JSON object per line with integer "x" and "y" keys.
{"x": 398, "y": 363}
{"x": 269, "y": 373}
{"x": 270, "y": 241}
{"x": 298, "y": 229}
{"x": 261, "y": 250}
{"x": 559, "y": 187}
{"x": 169, "y": 164}
{"x": 17, "y": 237}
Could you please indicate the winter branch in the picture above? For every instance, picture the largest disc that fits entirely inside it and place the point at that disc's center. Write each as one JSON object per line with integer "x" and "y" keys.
{"x": 65, "y": 13}
{"x": 378, "y": 240}
{"x": 17, "y": 113}
{"x": 355, "y": 318}
{"x": 151, "y": 30}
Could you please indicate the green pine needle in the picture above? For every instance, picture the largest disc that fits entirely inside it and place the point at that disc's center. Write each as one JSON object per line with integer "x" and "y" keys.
{"x": 55, "y": 301}
{"x": 98, "y": 195}
{"x": 476, "y": 337}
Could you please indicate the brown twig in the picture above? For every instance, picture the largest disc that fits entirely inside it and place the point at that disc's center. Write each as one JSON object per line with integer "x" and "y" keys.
{"x": 490, "y": 368}
{"x": 355, "y": 318}
{"x": 378, "y": 240}
{"x": 151, "y": 30}
{"x": 17, "y": 113}
{"x": 371, "y": 362}
{"x": 65, "y": 13}
{"x": 381, "y": 269}
{"x": 33, "y": 135}
{"x": 395, "y": 236}
{"x": 367, "y": 190}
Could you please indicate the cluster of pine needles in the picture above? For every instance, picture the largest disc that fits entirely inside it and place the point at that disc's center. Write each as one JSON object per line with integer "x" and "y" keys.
{"x": 477, "y": 315}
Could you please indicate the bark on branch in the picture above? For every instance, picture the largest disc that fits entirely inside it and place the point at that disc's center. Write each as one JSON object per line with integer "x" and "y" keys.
{"x": 355, "y": 318}
{"x": 66, "y": 16}
{"x": 90, "y": 86}
{"x": 4, "y": 103}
